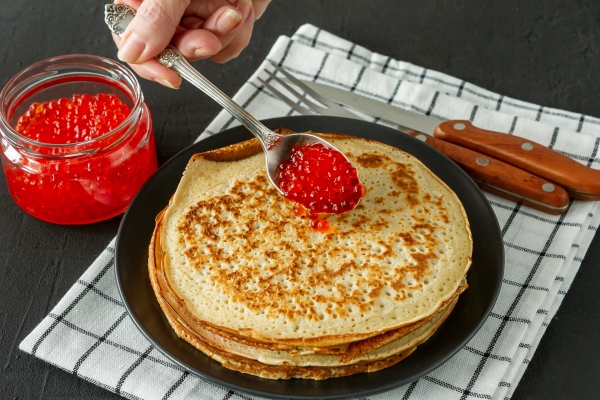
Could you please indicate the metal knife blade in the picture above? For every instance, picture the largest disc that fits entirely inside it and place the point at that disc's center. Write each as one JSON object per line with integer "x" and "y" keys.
{"x": 377, "y": 109}
{"x": 581, "y": 182}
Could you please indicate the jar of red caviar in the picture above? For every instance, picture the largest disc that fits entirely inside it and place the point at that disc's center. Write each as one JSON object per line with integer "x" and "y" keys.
{"x": 77, "y": 139}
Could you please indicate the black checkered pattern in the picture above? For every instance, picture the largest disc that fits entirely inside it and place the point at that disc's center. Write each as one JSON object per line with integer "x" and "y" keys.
{"x": 89, "y": 333}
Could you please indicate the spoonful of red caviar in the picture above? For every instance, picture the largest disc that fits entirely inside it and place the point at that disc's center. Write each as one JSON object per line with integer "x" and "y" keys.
{"x": 321, "y": 179}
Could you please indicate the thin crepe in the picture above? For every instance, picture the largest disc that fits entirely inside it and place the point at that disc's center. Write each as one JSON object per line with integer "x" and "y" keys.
{"x": 237, "y": 258}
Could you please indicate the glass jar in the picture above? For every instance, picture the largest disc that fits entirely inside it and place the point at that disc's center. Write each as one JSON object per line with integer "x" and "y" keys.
{"x": 85, "y": 181}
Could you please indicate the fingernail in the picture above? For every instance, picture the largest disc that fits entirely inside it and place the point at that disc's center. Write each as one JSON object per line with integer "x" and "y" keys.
{"x": 201, "y": 52}
{"x": 131, "y": 49}
{"x": 168, "y": 84}
{"x": 228, "y": 20}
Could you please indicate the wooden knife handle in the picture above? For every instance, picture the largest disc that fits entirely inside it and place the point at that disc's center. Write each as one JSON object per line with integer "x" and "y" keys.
{"x": 503, "y": 179}
{"x": 581, "y": 182}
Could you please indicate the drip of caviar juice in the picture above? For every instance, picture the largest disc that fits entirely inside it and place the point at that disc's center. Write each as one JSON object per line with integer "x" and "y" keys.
{"x": 93, "y": 185}
{"x": 321, "y": 181}
{"x": 320, "y": 225}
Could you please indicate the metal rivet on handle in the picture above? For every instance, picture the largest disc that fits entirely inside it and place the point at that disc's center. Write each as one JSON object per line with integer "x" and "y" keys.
{"x": 421, "y": 137}
{"x": 548, "y": 187}
{"x": 459, "y": 126}
{"x": 482, "y": 161}
{"x": 527, "y": 146}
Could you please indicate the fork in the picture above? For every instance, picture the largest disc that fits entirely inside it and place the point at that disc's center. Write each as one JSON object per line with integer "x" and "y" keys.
{"x": 327, "y": 106}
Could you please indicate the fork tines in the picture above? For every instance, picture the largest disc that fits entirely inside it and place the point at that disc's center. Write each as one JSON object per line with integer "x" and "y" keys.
{"x": 328, "y": 107}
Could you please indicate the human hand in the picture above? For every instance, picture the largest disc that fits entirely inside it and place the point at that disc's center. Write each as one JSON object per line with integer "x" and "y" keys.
{"x": 215, "y": 29}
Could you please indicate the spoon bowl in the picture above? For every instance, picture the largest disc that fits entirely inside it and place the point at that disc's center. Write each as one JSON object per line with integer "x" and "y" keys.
{"x": 281, "y": 148}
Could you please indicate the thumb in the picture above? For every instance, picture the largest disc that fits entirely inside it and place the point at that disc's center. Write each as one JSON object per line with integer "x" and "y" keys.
{"x": 151, "y": 29}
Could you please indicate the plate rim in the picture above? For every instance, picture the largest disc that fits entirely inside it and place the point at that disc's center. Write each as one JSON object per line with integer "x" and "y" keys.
{"x": 278, "y": 122}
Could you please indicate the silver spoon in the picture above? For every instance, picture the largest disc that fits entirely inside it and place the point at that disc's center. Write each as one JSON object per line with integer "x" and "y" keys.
{"x": 276, "y": 147}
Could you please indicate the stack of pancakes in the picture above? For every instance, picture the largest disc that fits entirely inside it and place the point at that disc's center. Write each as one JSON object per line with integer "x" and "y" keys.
{"x": 244, "y": 279}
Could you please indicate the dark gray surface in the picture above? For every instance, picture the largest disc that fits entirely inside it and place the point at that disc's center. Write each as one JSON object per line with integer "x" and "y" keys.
{"x": 541, "y": 52}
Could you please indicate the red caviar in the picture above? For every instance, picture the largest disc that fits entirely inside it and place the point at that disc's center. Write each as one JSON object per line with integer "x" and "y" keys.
{"x": 321, "y": 180}
{"x": 79, "y": 119}
{"x": 321, "y": 225}
{"x": 84, "y": 166}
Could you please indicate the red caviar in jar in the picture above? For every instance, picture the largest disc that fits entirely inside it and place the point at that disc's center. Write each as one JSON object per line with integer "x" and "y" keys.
{"x": 79, "y": 119}
{"x": 321, "y": 180}
{"x": 102, "y": 177}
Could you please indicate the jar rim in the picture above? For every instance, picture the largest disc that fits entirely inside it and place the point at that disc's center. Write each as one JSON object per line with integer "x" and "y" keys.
{"x": 71, "y": 60}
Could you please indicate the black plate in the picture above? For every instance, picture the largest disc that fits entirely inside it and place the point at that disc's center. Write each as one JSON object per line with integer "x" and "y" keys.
{"x": 471, "y": 311}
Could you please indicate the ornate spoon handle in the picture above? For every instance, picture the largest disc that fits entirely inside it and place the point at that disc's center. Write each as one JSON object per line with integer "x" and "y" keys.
{"x": 172, "y": 58}
{"x": 118, "y": 16}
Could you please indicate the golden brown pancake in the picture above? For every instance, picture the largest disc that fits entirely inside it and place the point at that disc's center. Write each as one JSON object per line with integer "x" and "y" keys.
{"x": 239, "y": 275}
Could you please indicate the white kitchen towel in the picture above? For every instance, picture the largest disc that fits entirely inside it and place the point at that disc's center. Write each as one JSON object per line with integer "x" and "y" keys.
{"x": 90, "y": 334}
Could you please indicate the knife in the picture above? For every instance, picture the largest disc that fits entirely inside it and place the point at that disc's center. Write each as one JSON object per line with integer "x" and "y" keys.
{"x": 503, "y": 179}
{"x": 581, "y": 182}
